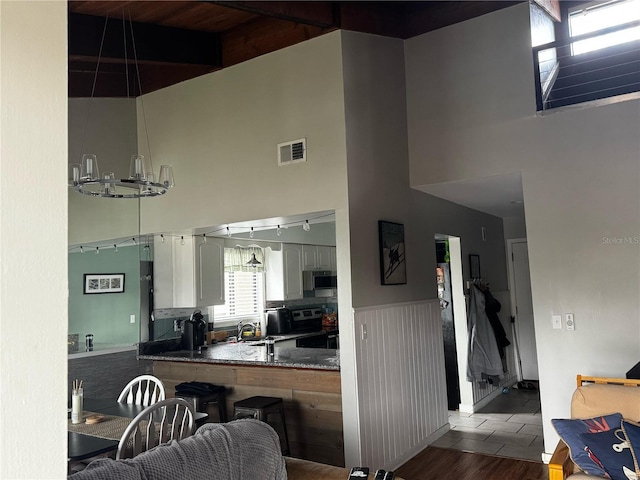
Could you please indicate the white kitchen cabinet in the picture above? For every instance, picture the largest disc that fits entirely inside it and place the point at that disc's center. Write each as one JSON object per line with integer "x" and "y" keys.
{"x": 284, "y": 272}
{"x": 188, "y": 272}
{"x": 318, "y": 257}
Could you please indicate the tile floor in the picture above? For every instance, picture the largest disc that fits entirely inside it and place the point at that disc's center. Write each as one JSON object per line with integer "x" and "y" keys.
{"x": 509, "y": 426}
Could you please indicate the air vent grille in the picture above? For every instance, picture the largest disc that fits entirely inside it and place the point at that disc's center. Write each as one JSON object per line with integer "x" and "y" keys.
{"x": 292, "y": 152}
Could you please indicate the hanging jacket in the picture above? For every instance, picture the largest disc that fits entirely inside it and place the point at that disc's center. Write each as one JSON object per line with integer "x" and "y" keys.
{"x": 483, "y": 356}
{"x": 491, "y": 308}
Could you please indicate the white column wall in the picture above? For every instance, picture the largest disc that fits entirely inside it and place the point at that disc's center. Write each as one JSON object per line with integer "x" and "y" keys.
{"x": 220, "y": 131}
{"x": 33, "y": 239}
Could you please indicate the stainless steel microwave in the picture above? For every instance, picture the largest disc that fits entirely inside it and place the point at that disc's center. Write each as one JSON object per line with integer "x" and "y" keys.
{"x": 313, "y": 280}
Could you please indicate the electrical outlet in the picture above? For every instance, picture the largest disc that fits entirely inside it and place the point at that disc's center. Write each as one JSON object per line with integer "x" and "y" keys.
{"x": 132, "y": 318}
{"x": 556, "y": 321}
{"x": 570, "y": 322}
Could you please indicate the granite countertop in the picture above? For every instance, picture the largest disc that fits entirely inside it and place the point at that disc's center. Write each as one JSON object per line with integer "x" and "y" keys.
{"x": 255, "y": 353}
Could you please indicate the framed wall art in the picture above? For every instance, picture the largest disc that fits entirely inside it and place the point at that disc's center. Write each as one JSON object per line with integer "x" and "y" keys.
{"x": 474, "y": 266}
{"x": 393, "y": 266}
{"x": 103, "y": 283}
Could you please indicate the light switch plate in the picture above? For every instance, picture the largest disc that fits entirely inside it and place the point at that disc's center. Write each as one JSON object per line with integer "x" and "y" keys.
{"x": 569, "y": 321}
{"x": 132, "y": 318}
{"x": 556, "y": 321}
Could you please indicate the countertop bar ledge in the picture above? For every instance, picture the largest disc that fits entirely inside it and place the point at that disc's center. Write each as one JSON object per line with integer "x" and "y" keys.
{"x": 247, "y": 354}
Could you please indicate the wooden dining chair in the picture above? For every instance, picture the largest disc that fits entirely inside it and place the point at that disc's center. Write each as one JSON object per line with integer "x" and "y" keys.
{"x": 143, "y": 390}
{"x": 161, "y": 422}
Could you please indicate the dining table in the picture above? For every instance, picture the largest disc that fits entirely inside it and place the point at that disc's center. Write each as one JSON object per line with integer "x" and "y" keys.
{"x": 86, "y": 441}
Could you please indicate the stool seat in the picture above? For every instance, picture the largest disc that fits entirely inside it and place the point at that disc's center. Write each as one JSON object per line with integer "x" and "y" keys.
{"x": 257, "y": 402}
{"x": 260, "y": 408}
{"x": 215, "y": 394}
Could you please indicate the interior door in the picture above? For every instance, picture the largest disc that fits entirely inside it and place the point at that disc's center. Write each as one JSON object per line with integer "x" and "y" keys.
{"x": 524, "y": 311}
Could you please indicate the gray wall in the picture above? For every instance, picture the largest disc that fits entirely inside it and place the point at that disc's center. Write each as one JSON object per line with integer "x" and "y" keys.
{"x": 105, "y": 127}
{"x": 474, "y": 116}
{"x": 104, "y": 376}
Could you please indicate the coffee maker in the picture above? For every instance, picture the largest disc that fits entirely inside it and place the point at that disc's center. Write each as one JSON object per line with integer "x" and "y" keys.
{"x": 193, "y": 331}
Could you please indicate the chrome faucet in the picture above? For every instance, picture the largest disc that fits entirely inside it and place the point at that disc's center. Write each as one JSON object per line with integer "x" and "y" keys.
{"x": 246, "y": 325}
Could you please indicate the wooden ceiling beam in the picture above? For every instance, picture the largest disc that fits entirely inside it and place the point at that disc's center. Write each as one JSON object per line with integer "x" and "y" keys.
{"x": 317, "y": 14}
{"x": 153, "y": 43}
{"x": 264, "y": 35}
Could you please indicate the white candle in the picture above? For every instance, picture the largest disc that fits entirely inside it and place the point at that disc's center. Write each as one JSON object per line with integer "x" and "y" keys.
{"x": 77, "y": 398}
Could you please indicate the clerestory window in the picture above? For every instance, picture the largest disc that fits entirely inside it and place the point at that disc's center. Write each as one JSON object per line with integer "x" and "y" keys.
{"x": 595, "y": 16}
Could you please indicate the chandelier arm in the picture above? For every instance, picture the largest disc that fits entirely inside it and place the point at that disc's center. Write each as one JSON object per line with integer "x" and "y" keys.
{"x": 95, "y": 78}
{"x": 144, "y": 117}
{"x": 124, "y": 41}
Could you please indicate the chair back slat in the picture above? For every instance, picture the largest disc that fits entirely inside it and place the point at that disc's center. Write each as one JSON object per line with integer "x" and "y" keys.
{"x": 143, "y": 390}
{"x": 165, "y": 420}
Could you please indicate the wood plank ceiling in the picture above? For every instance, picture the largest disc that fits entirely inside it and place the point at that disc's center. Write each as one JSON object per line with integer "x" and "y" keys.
{"x": 178, "y": 40}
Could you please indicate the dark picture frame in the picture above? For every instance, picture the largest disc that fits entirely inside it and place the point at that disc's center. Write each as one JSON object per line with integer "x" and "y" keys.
{"x": 474, "y": 266}
{"x": 98, "y": 283}
{"x": 393, "y": 265}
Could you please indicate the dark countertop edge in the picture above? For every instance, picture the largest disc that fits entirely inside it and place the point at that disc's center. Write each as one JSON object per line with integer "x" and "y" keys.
{"x": 250, "y": 363}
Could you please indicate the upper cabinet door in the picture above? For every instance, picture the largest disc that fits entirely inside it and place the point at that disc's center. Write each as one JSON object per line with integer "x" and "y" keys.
{"x": 324, "y": 257}
{"x": 309, "y": 257}
{"x": 209, "y": 271}
{"x": 292, "y": 258}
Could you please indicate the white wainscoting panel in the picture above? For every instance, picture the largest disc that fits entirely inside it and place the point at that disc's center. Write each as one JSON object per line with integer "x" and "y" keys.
{"x": 401, "y": 381}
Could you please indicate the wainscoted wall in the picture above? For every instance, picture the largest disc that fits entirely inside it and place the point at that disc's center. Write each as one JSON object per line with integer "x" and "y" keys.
{"x": 482, "y": 396}
{"x": 104, "y": 376}
{"x": 401, "y": 380}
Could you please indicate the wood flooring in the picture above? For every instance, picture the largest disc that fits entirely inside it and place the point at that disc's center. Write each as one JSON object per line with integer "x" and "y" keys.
{"x": 444, "y": 464}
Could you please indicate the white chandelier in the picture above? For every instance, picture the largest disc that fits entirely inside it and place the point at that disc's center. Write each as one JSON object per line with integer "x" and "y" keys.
{"x": 142, "y": 182}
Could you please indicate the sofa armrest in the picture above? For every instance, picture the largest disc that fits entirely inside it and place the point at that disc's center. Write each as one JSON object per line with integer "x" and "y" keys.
{"x": 561, "y": 465}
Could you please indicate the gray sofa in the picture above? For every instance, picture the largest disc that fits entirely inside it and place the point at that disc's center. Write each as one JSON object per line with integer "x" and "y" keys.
{"x": 244, "y": 449}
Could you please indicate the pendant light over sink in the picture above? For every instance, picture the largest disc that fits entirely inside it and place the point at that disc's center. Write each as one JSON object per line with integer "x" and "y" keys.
{"x": 254, "y": 262}
{"x": 142, "y": 182}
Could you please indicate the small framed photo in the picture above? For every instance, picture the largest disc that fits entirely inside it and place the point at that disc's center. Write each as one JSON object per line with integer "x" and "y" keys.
{"x": 103, "y": 283}
{"x": 393, "y": 267}
{"x": 474, "y": 266}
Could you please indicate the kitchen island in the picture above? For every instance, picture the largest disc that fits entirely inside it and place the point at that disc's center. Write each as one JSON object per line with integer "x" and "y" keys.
{"x": 307, "y": 379}
{"x": 255, "y": 353}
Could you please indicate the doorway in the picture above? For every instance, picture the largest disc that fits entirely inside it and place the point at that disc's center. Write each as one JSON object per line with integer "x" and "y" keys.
{"x": 445, "y": 297}
{"x": 453, "y": 309}
{"x": 522, "y": 311}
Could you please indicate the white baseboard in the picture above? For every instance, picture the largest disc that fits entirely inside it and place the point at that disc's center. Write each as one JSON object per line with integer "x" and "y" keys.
{"x": 485, "y": 401}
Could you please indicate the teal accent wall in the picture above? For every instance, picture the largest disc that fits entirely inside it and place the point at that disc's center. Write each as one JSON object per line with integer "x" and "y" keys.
{"x": 106, "y": 316}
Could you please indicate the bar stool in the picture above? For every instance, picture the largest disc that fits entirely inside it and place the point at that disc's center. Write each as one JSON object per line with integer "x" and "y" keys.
{"x": 260, "y": 408}
{"x": 201, "y": 401}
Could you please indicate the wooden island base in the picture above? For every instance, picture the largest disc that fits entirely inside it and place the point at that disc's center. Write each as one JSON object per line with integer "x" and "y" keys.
{"x": 312, "y": 399}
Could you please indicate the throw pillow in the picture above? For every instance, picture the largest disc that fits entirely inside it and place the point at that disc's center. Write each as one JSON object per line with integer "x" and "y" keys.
{"x": 611, "y": 450}
{"x": 632, "y": 432}
{"x": 570, "y": 431}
